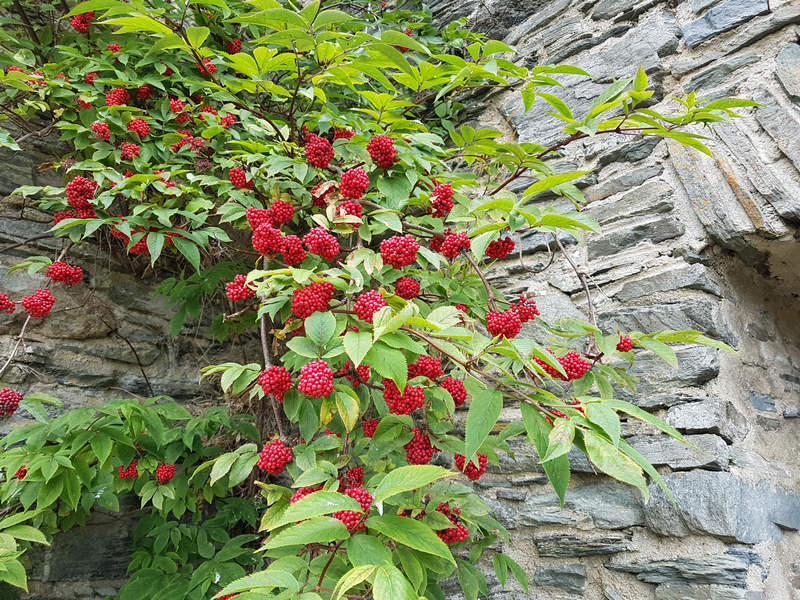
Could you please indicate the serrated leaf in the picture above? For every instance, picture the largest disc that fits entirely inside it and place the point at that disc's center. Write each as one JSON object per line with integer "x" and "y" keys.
{"x": 408, "y": 478}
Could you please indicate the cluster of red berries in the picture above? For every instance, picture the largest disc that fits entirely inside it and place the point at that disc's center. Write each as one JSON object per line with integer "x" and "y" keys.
{"x": 9, "y": 402}
{"x": 144, "y": 92}
{"x": 39, "y": 303}
{"x": 316, "y": 379}
{"x": 399, "y": 250}
{"x": 81, "y": 22}
{"x": 227, "y": 120}
{"x": 505, "y": 323}
{"x": 354, "y": 183}
{"x": 117, "y": 97}
{"x": 526, "y": 308}
{"x": 471, "y": 471}
{"x": 128, "y": 150}
{"x": 319, "y": 152}
{"x": 442, "y": 200}
{"x": 280, "y": 212}
{"x": 115, "y": 48}
{"x": 354, "y": 520}
{"x": 455, "y": 534}
{"x": 367, "y": 304}
{"x": 311, "y": 298}
{"x": 302, "y": 493}
{"x": 165, "y": 473}
{"x": 292, "y": 250}
{"x": 233, "y": 47}
{"x": 454, "y": 244}
{"x": 625, "y": 343}
{"x": 7, "y": 304}
{"x": 88, "y": 78}
{"x": 61, "y": 272}
{"x": 267, "y": 239}
{"x": 275, "y": 380}
{"x": 320, "y": 242}
{"x": 343, "y": 134}
{"x": 381, "y": 149}
{"x": 350, "y": 208}
{"x": 426, "y": 366}
{"x": 419, "y": 450}
{"x": 207, "y": 68}
{"x": 140, "y": 127}
{"x": 131, "y": 471}
{"x": 79, "y": 191}
{"x": 369, "y": 426}
{"x": 362, "y": 373}
{"x": 256, "y": 217}
{"x": 407, "y": 288}
{"x": 64, "y": 214}
{"x": 412, "y": 398}
{"x": 239, "y": 178}
{"x": 500, "y": 248}
{"x": 574, "y": 365}
{"x": 187, "y": 139}
{"x": 100, "y": 130}
{"x": 21, "y": 472}
{"x": 274, "y": 457}
{"x": 456, "y": 389}
{"x": 352, "y": 478}
{"x": 237, "y": 291}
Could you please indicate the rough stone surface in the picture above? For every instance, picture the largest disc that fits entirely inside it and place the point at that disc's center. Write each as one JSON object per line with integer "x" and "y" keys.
{"x": 571, "y": 546}
{"x": 652, "y": 230}
{"x": 721, "y": 18}
{"x": 719, "y": 570}
{"x": 713, "y": 415}
{"x": 781, "y": 124}
{"x": 601, "y": 505}
{"x": 681, "y": 276}
{"x": 570, "y": 578}
{"x": 711, "y": 452}
{"x": 787, "y": 68}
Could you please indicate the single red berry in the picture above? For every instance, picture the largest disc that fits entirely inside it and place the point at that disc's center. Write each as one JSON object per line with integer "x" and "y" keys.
{"x": 442, "y": 200}
{"x": 140, "y": 127}
{"x": 381, "y": 149}
{"x": 237, "y": 291}
{"x": 319, "y": 151}
{"x": 274, "y": 457}
{"x": 292, "y": 250}
{"x": 625, "y": 343}
{"x": 419, "y": 450}
{"x": 454, "y": 244}
{"x": 128, "y": 150}
{"x": 500, "y": 248}
{"x": 354, "y": 183}
{"x": 266, "y": 239}
{"x": 61, "y": 272}
{"x": 9, "y": 402}
{"x": 38, "y": 304}
{"x": 239, "y": 178}
{"x": 367, "y": 304}
{"x": 117, "y": 97}
{"x": 81, "y": 22}
{"x": 369, "y": 426}
{"x": 233, "y": 47}
{"x": 407, "y": 288}
{"x": 456, "y": 389}
{"x": 165, "y": 473}
{"x": 7, "y": 304}
{"x": 207, "y": 68}
{"x": 525, "y": 308}
{"x": 471, "y": 471}
{"x": 311, "y": 298}
{"x": 275, "y": 380}
{"x": 316, "y": 379}
{"x": 399, "y": 251}
{"x": 100, "y": 130}
{"x": 505, "y": 323}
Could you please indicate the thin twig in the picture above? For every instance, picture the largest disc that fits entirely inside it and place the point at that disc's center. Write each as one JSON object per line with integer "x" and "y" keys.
{"x": 591, "y": 343}
{"x": 267, "y": 365}
{"x": 25, "y": 242}
{"x": 492, "y": 298}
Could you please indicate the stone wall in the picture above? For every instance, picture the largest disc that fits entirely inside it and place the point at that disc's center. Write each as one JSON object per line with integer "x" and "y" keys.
{"x": 688, "y": 242}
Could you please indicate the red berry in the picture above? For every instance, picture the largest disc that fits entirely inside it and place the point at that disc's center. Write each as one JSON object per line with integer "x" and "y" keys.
{"x": 38, "y": 304}
{"x": 367, "y": 304}
{"x": 257, "y": 216}
{"x": 114, "y": 48}
{"x": 316, "y": 379}
{"x": 311, "y": 298}
{"x": 237, "y": 291}
{"x": 419, "y": 450}
{"x": 6, "y": 304}
{"x": 320, "y": 242}
{"x": 302, "y": 493}
{"x": 81, "y": 22}
{"x": 21, "y": 472}
{"x": 131, "y": 471}
{"x": 454, "y": 244}
{"x": 64, "y": 214}
{"x": 9, "y": 402}
{"x": 362, "y": 373}
{"x": 442, "y": 200}
{"x": 369, "y": 426}
{"x": 79, "y": 191}
{"x": 139, "y": 126}
{"x": 292, "y": 250}
{"x": 456, "y": 389}
{"x": 176, "y": 105}
{"x": 625, "y": 343}
{"x": 275, "y": 380}
{"x": 165, "y": 473}
{"x": 274, "y": 457}
{"x": 88, "y": 78}
{"x": 345, "y": 134}
{"x": 355, "y": 519}
{"x": 350, "y": 208}
{"x": 267, "y": 239}
{"x": 100, "y": 130}
{"x": 412, "y": 398}
{"x": 117, "y": 97}
{"x": 239, "y": 178}
{"x": 505, "y": 323}
{"x": 471, "y": 471}
{"x": 381, "y": 149}
{"x": 144, "y": 92}
{"x": 319, "y": 151}
{"x": 354, "y": 183}
{"x": 500, "y": 248}
{"x": 427, "y": 366}
{"x": 399, "y": 251}
{"x": 407, "y": 288}
{"x": 574, "y": 365}
{"x": 64, "y": 273}
{"x": 207, "y": 68}
{"x": 280, "y": 212}
{"x": 455, "y": 534}
{"x": 525, "y": 308}
{"x": 128, "y": 150}
{"x": 234, "y": 46}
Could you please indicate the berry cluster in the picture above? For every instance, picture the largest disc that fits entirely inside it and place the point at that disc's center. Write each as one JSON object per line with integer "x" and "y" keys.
{"x": 144, "y": 92}
{"x": 79, "y": 191}
{"x": 100, "y": 130}
{"x": 314, "y": 297}
{"x": 275, "y": 380}
{"x": 88, "y": 78}
{"x": 369, "y": 426}
{"x": 526, "y": 308}
{"x": 139, "y": 126}
{"x": 239, "y": 178}
{"x": 471, "y": 471}
{"x": 320, "y": 242}
{"x": 227, "y": 121}
{"x": 279, "y": 212}
{"x": 456, "y": 389}
{"x": 21, "y": 472}
{"x": 399, "y": 251}
{"x": 500, "y": 248}
{"x": 505, "y": 323}
{"x": 132, "y": 472}
{"x": 292, "y": 250}
{"x": 625, "y": 343}
{"x": 367, "y": 304}
{"x": 237, "y": 291}
{"x": 343, "y": 134}
{"x": 117, "y": 97}
{"x": 455, "y": 534}
{"x": 354, "y": 520}
{"x": 267, "y": 239}
{"x": 442, "y": 200}
{"x": 352, "y": 478}
{"x": 319, "y": 151}
{"x": 61, "y": 272}
{"x": 427, "y": 366}
{"x": 257, "y": 217}
{"x": 64, "y": 214}
{"x": 274, "y": 457}
{"x": 39, "y": 303}
{"x": 412, "y": 398}
{"x": 128, "y": 150}
{"x": 407, "y": 288}
{"x": 354, "y": 183}
{"x": 115, "y": 48}
{"x": 419, "y": 450}
{"x": 233, "y": 47}
{"x": 574, "y": 365}
{"x": 361, "y": 375}
{"x": 165, "y": 473}
{"x": 7, "y": 304}
{"x": 9, "y": 402}
{"x": 187, "y": 139}
{"x": 316, "y": 379}
{"x": 350, "y": 208}
{"x": 81, "y": 22}
{"x": 454, "y": 244}
{"x": 302, "y": 493}
{"x": 381, "y": 149}
{"x": 207, "y": 68}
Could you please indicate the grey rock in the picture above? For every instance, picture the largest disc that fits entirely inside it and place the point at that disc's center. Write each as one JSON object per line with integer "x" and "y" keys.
{"x": 610, "y": 594}
{"x": 722, "y": 505}
{"x": 571, "y": 546}
{"x": 780, "y": 125}
{"x": 722, "y": 570}
{"x": 711, "y": 452}
{"x": 626, "y": 180}
{"x": 608, "y": 9}
{"x": 570, "y": 578}
{"x": 668, "y": 399}
{"x": 678, "y": 277}
{"x": 672, "y": 591}
{"x": 651, "y": 198}
{"x": 696, "y": 366}
{"x": 712, "y": 415}
{"x": 699, "y": 6}
{"x": 602, "y": 505}
{"x": 626, "y": 151}
{"x": 787, "y": 68}
{"x": 654, "y": 230}
{"x": 762, "y": 402}
{"x": 517, "y": 495}
{"x": 532, "y": 242}
{"x": 721, "y": 18}
{"x": 720, "y": 73}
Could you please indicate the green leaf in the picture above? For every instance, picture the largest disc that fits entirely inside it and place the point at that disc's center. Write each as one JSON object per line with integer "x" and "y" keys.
{"x": 222, "y": 466}
{"x": 320, "y": 530}
{"x": 404, "y": 479}
{"x": 607, "y": 419}
{"x": 352, "y": 578}
{"x": 388, "y": 362}
{"x": 660, "y": 349}
{"x": 642, "y": 415}
{"x": 560, "y": 439}
{"x": 101, "y": 446}
{"x": 14, "y": 574}
{"x": 611, "y": 461}
{"x": 84, "y": 7}
{"x": 320, "y": 327}
{"x": 365, "y": 549}
{"x": 552, "y": 181}
{"x": 357, "y": 344}
{"x": 396, "y": 38}
{"x": 519, "y": 574}
{"x": 349, "y": 408}
{"x": 197, "y": 35}
{"x": 557, "y": 470}
{"x": 189, "y": 250}
{"x": 391, "y": 584}
{"x": 318, "y": 504}
{"x": 411, "y": 533}
{"x": 138, "y": 24}
{"x": 26, "y": 532}
{"x": 483, "y": 413}
{"x": 262, "y": 581}
{"x": 49, "y": 492}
